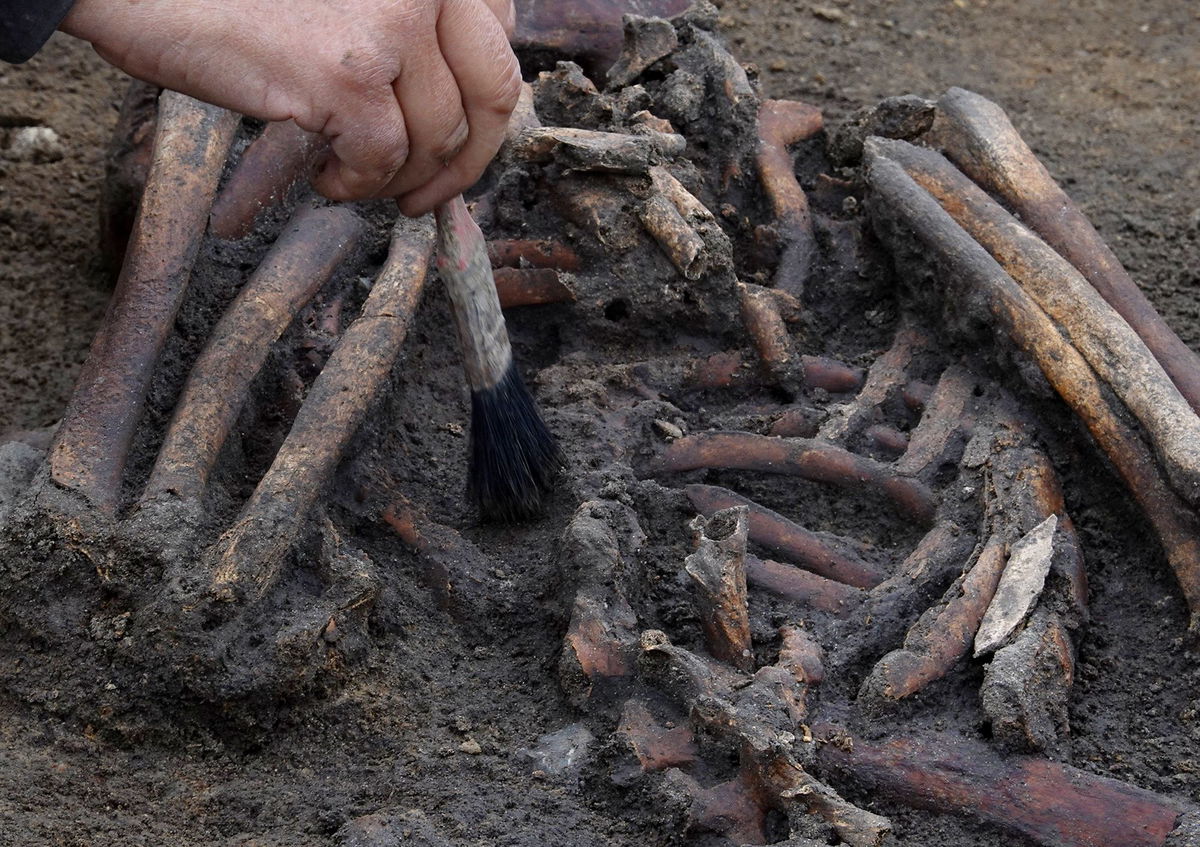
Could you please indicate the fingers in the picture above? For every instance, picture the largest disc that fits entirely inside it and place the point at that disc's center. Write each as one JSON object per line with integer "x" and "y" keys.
{"x": 488, "y": 77}
{"x": 506, "y": 13}
{"x": 369, "y": 145}
{"x": 437, "y": 124}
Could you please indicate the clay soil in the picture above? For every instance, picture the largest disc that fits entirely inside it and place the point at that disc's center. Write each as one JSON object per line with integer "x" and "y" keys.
{"x": 431, "y": 725}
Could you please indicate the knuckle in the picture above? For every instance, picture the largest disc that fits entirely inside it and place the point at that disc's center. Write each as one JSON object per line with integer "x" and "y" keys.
{"x": 507, "y": 89}
{"x": 450, "y": 143}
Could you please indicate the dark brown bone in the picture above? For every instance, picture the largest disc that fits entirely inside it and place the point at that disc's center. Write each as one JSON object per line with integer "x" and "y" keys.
{"x": 1031, "y": 331}
{"x": 586, "y": 30}
{"x": 1106, "y": 341}
{"x": 892, "y": 606}
{"x": 789, "y": 540}
{"x": 977, "y": 135}
{"x": 943, "y": 426}
{"x": 534, "y": 253}
{"x": 1052, "y": 804}
{"x": 886, "y": 377}
{"x": 457, "y": 571}
{"x": 802, "y": 587}
{"x": 530, "y": 287}
{"x": 780, "y": 123}
{"x": 804, "y": 457}
{"x": 307, "y": 252}
{"x": 269, "y": 167}
{"x": 249, "y": 555}
{"x": 943, "y": 634}
{"x": 89, "y": 451}
{"x": 718, "y": 572}
{"x": 126, "y": 167}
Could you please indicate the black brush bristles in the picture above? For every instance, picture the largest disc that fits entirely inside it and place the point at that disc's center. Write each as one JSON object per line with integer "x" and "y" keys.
{"x": 514, "y": 458}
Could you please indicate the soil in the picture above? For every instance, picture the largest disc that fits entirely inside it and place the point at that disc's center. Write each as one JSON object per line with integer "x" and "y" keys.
{"x": 426, "y": 728}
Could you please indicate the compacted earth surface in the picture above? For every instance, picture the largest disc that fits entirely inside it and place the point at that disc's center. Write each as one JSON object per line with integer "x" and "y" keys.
{"x": 439, "y": 728}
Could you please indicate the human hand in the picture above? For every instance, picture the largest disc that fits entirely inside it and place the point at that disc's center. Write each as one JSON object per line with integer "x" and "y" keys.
{"x": 414, "y": 95}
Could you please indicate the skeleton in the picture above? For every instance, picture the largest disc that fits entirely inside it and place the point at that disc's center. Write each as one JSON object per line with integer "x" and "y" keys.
{"x": 684, "y": 206}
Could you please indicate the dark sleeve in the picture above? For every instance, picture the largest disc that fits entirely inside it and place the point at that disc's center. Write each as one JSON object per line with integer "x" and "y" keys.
{"x": 25, "y": 25}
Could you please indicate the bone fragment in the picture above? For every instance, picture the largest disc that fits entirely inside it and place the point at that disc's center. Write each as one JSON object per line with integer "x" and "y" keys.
{"x": 461, "y": 577}
{"x": 982, "y": 279}
{"x": 592, "y": 150}
{"x": 718, "y": 572}
{"x": 308, "y": 251}
{"x": 532, "y": 253}
{"x": 886, "y": 378}
{"x": 780, "y": 123}
{"x": 89, "y": 451}
{"x": 672, "y": 214}
{"x": 801, "y": 655}
{"x": 884, "y": 438}
{"x": 754, "y": 721}
{"x": 891, "y": 608}
{"x": 530, "y": 287}
{"x": 978, "y": 137}
{"x": 654, "y": 747}
{"x": 602, "y": 638}
{"x": 1019, "y": 587}
{"x": 944, "y": 427}
{"x": 769, "y": 334}
{"x": 682, "y": 244}
{"x": 800, "y": 586}
{"x": 646, "y": 41}
{"x": 1052, "y": 804}
{"x": 248, "y": 557}
{"x": 942, "y": 635}
{"x": 1027, "y": 687}
{"x": 828, "y": 556}
{"x": 1106, "y": 341}
{"x": 813, "y": 459}
{"x": 268, "y": 168}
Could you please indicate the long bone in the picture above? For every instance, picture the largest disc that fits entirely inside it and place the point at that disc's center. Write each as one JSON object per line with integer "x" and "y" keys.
{"x": 807, "y": 458}
{"x": 1093, "y": 327}
{"x": 830, "y": 557}
{"x": 270, "y": 165}
{"x": 1064, "y": 367}
{"x": 248, "y": 557}
{"x": 1052, "y": 804}
{"x": 780, "y": 123}
{"x": 302, "y": 259}
{"x": 90, "y": 449}
{"x": 978, "y": 137}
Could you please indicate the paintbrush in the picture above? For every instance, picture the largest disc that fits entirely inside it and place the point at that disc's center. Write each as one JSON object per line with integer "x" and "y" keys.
{"x": 513, "y": 455}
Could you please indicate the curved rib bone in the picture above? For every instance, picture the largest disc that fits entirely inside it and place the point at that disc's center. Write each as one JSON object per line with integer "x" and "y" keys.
{"x": 249, "y": 555}
{"x": 1175, "y": 523}
{"x": 976, "y": 134}
{"x": 270, "y": 165}
{"x": 306, "y": 254}
{"x": 1108, "y": 343}
{"x": 780, "y": 123}
{"x": 92, "y": 443}
{"x": 808, "y": 458}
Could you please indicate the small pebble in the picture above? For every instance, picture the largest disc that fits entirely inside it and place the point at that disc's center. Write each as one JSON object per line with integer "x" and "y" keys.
{"x": 36, "y": 144}
{"x": 827, "y": 13}
{"x": 667, "y": 429}
{"x": 470, "y": 747}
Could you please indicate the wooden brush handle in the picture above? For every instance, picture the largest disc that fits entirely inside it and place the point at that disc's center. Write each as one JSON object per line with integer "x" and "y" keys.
{"x": 463, "y": 263}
